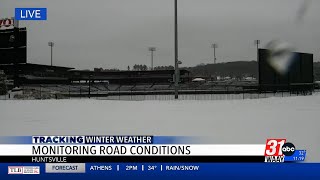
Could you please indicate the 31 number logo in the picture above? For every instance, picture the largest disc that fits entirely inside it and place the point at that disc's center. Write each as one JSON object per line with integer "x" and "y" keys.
{"x": 273, "y": 147}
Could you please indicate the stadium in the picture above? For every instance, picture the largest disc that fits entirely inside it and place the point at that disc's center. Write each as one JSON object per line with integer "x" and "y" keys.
{"x": 45, "y": 81}
{"x": 162, "y": 88}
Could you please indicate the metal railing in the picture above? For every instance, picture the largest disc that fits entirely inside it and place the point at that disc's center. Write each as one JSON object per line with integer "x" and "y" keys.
{"x": 139, "y": 94}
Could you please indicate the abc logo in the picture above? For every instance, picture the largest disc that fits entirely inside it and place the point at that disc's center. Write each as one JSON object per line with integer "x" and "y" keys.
{"x": 288, "y": 149}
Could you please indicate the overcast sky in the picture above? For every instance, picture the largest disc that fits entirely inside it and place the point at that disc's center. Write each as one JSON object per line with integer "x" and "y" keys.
{"x": 117, "y": 33}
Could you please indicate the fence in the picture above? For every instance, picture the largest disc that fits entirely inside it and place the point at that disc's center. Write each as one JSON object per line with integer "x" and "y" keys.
{"x": 200, "y": 96}
{"x": 139, "y": 94}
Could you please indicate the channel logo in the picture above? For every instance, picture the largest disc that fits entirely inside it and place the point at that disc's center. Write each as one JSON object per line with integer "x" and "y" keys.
{"x": 23, "y": 169}
{"x": 273, "y": 150}
{"x": 31, "y": 170}
{"x": 15, "y": 170}
{"x": 288, "y": 149}
{"x": 278, "y": 150}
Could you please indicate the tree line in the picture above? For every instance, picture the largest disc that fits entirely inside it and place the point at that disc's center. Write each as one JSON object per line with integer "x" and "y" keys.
{"x": 136, "y": 67}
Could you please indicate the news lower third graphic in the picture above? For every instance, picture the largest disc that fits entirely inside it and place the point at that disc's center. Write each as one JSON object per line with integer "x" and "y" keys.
{"x": 133, "y": 154}
{"x": 92, "y": 139}
{"x": 278, "y": 150}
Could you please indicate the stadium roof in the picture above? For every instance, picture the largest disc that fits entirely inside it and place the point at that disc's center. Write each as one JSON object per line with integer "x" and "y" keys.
{"x": 182, "y": 71}
{"x": 34, "y": 66}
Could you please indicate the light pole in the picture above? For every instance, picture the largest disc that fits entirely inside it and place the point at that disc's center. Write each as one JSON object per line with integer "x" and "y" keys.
{"x": 214, "y": 46}
{"x": 257, "y": 43}
{"x": 152, "y": 49}
{"x": 90, "y": 77}
{"x": 176, "y": 61}
{"x": 51, "y": 44}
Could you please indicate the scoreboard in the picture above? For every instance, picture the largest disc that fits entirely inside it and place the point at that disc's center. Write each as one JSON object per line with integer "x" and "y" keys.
{"x": 297, "y": 70}
{"x": 13, "y": 47}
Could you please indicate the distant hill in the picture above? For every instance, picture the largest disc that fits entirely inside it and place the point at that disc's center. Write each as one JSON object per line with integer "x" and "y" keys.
{"x": 235, "y": 69}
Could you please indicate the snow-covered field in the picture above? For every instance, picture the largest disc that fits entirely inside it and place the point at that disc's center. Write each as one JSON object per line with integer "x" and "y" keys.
{"x": 226, "y": 121}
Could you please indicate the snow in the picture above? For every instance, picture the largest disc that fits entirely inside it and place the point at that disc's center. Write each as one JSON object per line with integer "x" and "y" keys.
{"x": 227, "y": 121}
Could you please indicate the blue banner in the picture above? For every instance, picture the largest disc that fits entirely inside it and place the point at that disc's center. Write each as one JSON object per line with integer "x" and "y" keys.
{"x": 102, "y": 140}
{"x": 31, "y": 13}
{"x": 160, "y": 171}
{"x": 299, "y": 155}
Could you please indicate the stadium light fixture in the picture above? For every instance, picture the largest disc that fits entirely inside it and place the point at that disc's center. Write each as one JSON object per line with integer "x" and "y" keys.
{"x": 51, "y": 44}
{"x": 152, "y": 49}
